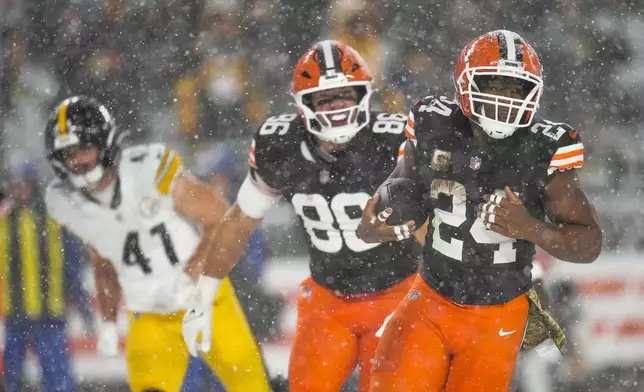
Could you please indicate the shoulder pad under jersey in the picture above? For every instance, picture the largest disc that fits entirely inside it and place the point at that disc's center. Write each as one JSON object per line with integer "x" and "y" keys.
{"x": 434, "y": 118}
{"x": 156, "y": 162}
{"x": 278, "y": 138}
{"x": 387, "y": 130}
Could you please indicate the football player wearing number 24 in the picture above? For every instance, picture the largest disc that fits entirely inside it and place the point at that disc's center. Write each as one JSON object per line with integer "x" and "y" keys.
{"x": 492, "y": 173}
{"x": 326, "y": 161}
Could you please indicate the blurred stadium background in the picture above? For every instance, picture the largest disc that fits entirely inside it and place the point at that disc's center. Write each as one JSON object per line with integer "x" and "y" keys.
{"x": 201, "y": 75}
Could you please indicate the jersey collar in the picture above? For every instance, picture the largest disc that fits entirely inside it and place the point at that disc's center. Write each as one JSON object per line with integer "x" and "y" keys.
{"x": 116, "y": 197}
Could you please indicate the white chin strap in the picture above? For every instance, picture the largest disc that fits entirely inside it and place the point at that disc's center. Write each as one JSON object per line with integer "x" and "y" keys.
{"x": 89, "y": 179}
{"x": 493, "y": 128}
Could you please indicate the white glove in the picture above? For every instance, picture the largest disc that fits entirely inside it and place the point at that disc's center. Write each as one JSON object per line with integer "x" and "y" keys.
{"x": 198, "y": 318}
{"x": 108, "y": 339}
{"x": 197, "y": 322}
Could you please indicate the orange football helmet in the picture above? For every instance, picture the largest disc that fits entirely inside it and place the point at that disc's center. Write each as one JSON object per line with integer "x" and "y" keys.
{"x": 498, "y": 53}
{"x": 328, "y": 65}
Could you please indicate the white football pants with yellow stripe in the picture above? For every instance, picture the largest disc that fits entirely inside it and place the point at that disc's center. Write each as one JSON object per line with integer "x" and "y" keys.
{"x": 157, "y": 357}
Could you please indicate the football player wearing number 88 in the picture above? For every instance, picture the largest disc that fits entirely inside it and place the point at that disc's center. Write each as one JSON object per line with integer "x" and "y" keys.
{"x": 326, "y": 162}
{"x": 148, "y": 225}
{"x": 492, "y": 173}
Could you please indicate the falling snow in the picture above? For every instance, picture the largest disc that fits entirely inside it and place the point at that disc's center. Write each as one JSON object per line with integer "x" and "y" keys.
{"x": 204, "y": 75}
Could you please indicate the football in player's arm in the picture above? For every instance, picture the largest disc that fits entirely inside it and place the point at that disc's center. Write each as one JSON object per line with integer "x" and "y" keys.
{"x": 572, "y": 233}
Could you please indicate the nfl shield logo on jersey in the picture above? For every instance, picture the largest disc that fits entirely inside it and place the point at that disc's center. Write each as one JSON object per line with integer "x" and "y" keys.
{"x": 475, "y": 163}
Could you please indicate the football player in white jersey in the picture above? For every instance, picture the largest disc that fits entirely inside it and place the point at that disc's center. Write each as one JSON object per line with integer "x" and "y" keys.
{"x": 148, "y": 225}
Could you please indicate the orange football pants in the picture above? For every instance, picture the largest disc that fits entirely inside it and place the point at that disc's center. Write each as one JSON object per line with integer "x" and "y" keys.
{"x": 431, "y": 344}
{"x": 335, "y": 333}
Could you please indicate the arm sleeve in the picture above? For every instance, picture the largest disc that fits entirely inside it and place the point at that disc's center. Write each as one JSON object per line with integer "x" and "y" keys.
{"x": 567, "y": 157}
{"x": 255, "y": 198}
{"x": 568, "y": 151}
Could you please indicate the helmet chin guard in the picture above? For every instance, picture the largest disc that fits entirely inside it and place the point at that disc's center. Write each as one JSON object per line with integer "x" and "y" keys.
{"x": 494, "y": 129}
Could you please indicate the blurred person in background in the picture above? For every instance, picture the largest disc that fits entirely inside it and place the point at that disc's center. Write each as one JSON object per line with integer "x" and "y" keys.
{"x": 216, "y": 92}
{"x": 326, "y": 162}
{"x": 29, "y": 89}
{"x": 40, "y": 269}
{"x": 359, "y": 24}
{"x": 148, "y": 224}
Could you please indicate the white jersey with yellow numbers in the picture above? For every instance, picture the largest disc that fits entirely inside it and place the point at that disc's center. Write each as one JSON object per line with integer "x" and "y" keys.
{"x": 140, "y": 233}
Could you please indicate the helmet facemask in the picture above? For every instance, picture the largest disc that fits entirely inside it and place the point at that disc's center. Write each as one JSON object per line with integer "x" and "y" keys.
{"x": 108, "y": 156}
{"x": 337, "y": 126}
{"x": 500, "y": 116}
{"x": 78, "y": 123}
{"x": 88, "y": 179}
